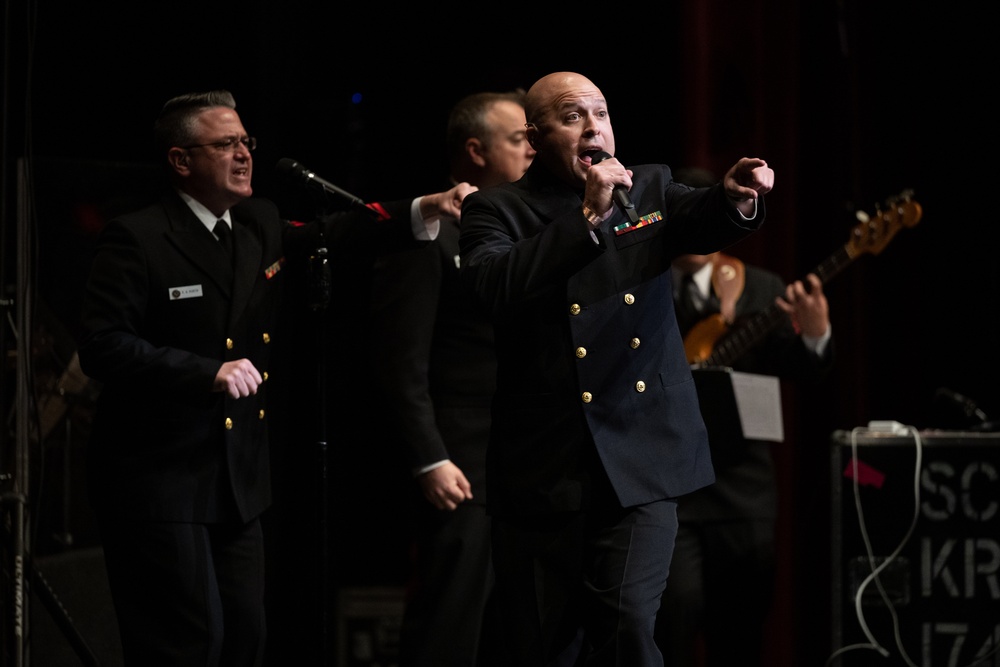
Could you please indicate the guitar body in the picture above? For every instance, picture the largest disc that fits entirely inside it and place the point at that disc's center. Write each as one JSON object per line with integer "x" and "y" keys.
{"x": 701, "y": 339}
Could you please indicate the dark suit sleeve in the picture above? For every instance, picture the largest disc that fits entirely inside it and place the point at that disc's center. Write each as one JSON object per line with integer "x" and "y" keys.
{"x": 518, "y": 244}
{"x": 406, "y": 290}
{"x": 511, "y": 255}
{"x": 379, "y": 229}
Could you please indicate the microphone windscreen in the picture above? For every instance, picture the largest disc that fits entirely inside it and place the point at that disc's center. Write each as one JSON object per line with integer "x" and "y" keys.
{"x": 292, "y": 169}
{"x": 599, "y": 156}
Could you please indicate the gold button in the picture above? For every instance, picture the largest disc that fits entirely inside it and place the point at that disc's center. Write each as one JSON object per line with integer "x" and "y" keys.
{"x": 629, "y": 299}
{"x": 267, "y": 338}
{"x": 574, "y": 309}
{"x": 264, "y": 376}
{"x": 260, "y": 415}
{"x": 587, "y": 397}
{"x": 229, "y": 343}
{"x": 229, "y": 424}
{"x": 581, "y": 352}
{"x": 640, "y": 386}
{"x": 634, "y": 343}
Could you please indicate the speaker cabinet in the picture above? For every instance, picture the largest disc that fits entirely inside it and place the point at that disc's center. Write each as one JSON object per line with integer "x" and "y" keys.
{"x": 73, "y": 620}
{"x": 916, "y": 549}
{"x": 368, "y": 625}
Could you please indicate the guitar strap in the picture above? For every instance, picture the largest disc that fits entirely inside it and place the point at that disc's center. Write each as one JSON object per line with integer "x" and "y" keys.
{"x": 728, "y": 279}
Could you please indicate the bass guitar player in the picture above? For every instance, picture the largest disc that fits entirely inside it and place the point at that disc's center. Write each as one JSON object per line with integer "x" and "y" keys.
{"x": 722, "y": 575}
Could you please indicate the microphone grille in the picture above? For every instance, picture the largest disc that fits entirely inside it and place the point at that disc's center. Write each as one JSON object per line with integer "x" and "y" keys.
{"x": 599, "y": 156}
{"x": 292, "y": 168}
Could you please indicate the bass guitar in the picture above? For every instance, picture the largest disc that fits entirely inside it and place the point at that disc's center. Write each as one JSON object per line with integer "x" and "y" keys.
{"x": 712, "y": 342}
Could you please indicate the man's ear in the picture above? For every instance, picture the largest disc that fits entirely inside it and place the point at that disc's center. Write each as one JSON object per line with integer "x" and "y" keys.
{"x": 531, "y": 134}
{"x": 178, "y": 159}
{"x": 474, "y": 147}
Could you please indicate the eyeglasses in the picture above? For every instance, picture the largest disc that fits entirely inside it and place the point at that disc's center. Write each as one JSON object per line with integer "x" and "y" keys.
{"x": 229, "y": 145}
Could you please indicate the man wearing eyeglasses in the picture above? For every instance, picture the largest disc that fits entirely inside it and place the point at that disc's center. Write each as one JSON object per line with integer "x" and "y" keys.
{"x": 180, "y": 317}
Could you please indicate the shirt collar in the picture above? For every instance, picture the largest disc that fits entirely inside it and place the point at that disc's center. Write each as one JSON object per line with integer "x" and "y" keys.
{"x": 702, "y": 279}
{"x": 202, "y": 213}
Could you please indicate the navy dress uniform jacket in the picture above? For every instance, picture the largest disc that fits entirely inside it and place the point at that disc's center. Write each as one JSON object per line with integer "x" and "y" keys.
{"x": 163, "y": 311}
{"x": 590, "y": 359}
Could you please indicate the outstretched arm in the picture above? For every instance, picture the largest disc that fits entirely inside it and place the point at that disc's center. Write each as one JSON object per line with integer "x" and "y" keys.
{"x": 746, "y": 180}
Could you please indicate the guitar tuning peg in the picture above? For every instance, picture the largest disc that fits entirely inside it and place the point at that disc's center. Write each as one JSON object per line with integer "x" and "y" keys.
{"x": 861, "y": 216}
{"x": 904, "y": 196}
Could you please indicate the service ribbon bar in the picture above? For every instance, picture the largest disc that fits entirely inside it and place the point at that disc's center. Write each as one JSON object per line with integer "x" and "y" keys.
{"x": 648, "y": 219}
{"x": 270, "y": 271}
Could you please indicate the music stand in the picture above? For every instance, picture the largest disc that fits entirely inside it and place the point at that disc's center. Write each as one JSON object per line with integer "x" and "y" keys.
{"x": 737, "y": 405}
{"x": 717, "y": 399}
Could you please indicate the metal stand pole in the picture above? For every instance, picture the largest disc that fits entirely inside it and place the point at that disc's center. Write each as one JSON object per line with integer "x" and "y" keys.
{"x": 319, "y": 284}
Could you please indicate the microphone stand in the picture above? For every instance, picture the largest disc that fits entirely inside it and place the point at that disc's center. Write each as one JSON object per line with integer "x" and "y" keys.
{"x": 319, "y": 298}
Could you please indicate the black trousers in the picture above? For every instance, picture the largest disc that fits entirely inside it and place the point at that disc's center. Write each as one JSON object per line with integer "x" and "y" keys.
{"x": 584, "y": 579}
{"x": 187, "y": 594}
{"x": 719, "y": 594}
{"x": 451, "y": 588}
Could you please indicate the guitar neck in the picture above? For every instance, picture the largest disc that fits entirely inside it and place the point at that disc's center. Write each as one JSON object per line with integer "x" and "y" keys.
{"x": 748, "y": 334}
{"x": 870, "y": 236}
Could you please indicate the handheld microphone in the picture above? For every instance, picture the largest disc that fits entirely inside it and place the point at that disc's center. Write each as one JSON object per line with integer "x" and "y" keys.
{"x": 620, "y": 194}
{"x": 298, "y": 173}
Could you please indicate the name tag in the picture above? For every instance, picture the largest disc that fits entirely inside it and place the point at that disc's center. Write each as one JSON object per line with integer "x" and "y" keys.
{"x": 185, "y": 292}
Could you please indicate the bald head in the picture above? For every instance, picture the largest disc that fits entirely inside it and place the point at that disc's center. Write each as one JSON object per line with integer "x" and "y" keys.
{"x": 545, "y": 93}
{"x": 568, "y": 122}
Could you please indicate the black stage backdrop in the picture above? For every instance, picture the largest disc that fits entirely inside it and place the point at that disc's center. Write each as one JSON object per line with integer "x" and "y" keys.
{"x": 851, "y": 103}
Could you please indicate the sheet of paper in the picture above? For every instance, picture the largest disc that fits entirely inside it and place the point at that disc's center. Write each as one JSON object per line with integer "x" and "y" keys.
{"x": 758, "y": 400}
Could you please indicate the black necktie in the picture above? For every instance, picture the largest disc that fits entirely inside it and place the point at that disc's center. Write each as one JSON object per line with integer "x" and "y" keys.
{"x": 225, "y": 236}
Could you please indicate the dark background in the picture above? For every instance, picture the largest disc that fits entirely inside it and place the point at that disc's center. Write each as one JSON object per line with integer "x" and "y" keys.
{"x": 851, "y": 103}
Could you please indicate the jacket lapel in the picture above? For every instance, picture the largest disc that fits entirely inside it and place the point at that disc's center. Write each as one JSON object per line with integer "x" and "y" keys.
{"x": 197, "y": 244}
{"x": 249, "y": 254}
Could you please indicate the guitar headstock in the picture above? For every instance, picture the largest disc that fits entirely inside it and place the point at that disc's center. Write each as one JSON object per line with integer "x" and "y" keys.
{"x": 873, "y": 234}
